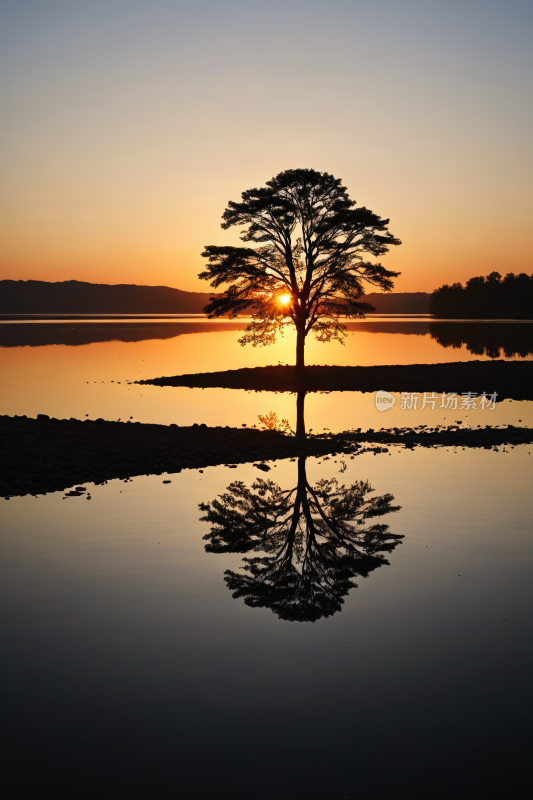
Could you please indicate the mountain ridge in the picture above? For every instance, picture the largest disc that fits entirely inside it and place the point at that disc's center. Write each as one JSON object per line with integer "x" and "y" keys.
{"x": 75, "y": 297}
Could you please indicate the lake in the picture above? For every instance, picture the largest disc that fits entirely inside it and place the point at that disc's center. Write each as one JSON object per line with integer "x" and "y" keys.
{"x": 233, "y": 633}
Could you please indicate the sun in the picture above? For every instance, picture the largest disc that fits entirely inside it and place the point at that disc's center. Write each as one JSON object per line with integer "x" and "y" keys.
{"x": 285, "y": 298}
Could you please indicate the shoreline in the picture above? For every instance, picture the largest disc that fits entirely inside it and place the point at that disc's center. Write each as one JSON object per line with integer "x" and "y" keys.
{"x": 509, "y": 379}
{"x": 49, "y": 455}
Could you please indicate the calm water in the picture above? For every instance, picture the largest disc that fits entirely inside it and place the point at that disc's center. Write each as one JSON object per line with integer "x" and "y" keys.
{"x": 89, "y": 379}
{"x": 366, "y": 661}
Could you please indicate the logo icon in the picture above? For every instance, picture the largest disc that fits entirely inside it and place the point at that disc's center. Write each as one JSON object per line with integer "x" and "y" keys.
{"x": 384, "y": 400}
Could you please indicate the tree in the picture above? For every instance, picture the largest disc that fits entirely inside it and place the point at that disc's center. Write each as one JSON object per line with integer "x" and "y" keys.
{"x": 313, "y": 541}
{"x": 308, "y": 269}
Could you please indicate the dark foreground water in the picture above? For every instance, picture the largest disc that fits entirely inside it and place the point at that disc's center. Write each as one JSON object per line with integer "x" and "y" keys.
{"x": 355, "y": 661}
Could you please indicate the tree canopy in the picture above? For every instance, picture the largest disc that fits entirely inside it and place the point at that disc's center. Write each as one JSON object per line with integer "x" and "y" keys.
{"x": 307, "y": 268}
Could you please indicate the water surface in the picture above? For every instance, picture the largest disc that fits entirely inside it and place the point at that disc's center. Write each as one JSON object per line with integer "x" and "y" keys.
{"x": 94, "y": 379}
{"x": 129, "y": 669}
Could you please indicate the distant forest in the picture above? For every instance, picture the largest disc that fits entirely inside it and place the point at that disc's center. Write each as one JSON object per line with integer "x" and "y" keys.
{"x": 78, "y": 297}
{"x": 492, "y": 297}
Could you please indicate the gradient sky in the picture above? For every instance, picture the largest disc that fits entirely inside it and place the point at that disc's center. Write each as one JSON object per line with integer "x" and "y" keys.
{"x": 127, "y": 125}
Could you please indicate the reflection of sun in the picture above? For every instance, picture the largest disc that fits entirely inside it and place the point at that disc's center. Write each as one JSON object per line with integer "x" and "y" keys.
{"x": 284, "y": 298}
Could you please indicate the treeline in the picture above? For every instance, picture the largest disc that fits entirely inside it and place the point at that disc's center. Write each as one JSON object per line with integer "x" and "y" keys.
{"x": 493, "y": 297}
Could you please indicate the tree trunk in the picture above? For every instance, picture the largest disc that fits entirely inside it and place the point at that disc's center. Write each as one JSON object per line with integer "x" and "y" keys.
{"x": 302, "y": 479}
{"x": 300, "y": 419}
{"x": 300, "y": 345}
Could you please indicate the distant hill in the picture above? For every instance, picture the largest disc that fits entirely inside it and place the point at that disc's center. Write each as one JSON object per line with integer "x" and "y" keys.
{"x": 399, "y": 302}
{"x": 79, "y": 297}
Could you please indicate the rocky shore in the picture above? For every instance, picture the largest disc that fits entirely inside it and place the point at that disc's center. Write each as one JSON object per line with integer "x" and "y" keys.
{"x": 509, "y": 379}
{"x": 47, "y": 455}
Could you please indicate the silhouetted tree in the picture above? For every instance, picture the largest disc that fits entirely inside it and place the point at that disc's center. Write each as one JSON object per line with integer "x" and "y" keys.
{"x": 490, "y": 297}
{"x": 313, "y": 541}
{"x": 308, "y": 269}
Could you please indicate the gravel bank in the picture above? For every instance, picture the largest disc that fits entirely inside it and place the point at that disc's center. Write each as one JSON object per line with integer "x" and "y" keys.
{"x": 46, "y": 455}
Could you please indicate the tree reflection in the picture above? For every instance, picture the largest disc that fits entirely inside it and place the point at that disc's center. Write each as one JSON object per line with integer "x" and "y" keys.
{"x": 311, "y": 542}
{"x": 486, "y": 338}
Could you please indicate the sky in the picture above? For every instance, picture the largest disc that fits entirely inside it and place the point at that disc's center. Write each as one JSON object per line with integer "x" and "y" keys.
{"x": 127, "y": 125}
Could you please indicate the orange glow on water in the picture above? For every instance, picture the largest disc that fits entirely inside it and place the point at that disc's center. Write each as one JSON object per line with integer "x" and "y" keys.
{"x": 93, "y": 379}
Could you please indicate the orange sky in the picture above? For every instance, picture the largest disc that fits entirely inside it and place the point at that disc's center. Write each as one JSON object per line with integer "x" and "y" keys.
{"x": 128, "y": 126}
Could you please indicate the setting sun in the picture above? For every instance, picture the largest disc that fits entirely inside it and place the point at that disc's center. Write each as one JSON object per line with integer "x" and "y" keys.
{"x": 285, "y": 298}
